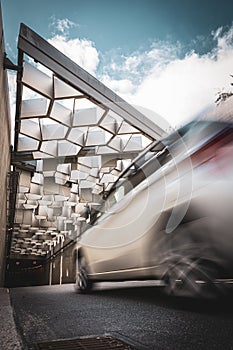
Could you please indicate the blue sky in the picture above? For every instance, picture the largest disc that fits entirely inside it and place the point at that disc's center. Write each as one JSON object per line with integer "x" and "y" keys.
{"x": 148, "y": 51}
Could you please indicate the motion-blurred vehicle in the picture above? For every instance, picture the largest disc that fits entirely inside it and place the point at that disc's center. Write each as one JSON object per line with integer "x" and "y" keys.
{"x": 169, "y": 216}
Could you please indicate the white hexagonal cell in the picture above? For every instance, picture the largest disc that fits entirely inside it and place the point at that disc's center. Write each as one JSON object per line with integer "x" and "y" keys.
{"x": 36, "y": 107}
{"x": 77, "y": 136}
{"x": 33, "y": 196}
{"x": 52, "y": 130}
{"x": 63, "y": 90}
{"x": 30, "y": 206}
{"x": 127, "y": 129}
{"x": 134, "y": 144}
{"x": 61, "y": 178}
{"x": 106, "y": 178}
{"x": 66, "y": 148}
{"x": 94, "y": 172}
{"x": 61, "y": 113}
{"x": 137, "y": 143}
{"x": 27, "y": 144}
{"x": 30, "y": 128}
{"x": 38, "y": 178}
{"x": 97, "y": 136}
{"x": 35, "y": 188}
{"x": 91, "y": 162}
{"x": 38, "y": 80}
{"x": 109, "y": 123}
{"x": 39, "y": 166}
{"x": 74, "y": 188}
{"x": 117, "y": 143}
{"x": 86, "y": 184}
{"x": 77, "y": 175}
{"x": 87, "y": 116}
{"x": 64, "y": 168}
{"x": 49, "y": 147}
{"x": 41, "y": 155}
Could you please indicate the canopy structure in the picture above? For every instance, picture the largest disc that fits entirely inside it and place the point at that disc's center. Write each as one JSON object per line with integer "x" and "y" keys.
{"x": 73, "y": 137}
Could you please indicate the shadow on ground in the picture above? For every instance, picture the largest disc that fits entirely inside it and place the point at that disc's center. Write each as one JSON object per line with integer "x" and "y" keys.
{"x": 155, "y": 295}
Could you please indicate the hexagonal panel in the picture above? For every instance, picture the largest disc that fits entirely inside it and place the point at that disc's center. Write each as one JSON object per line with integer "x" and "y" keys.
{"x": 66, "y": 148}
{"x": 37, "y": 80}
{"x": 97, "y": 136}
{"x": 30, "y": 128}
{"x": 34, "y": 107}
{"x": 77, "y": 135}
{"x": 61, "y": 113}
{"x": 27, "y": 144}
{"x": 63, "y": 90}
{"x": 52, "y": 130}
{"x": 87, "y": 116}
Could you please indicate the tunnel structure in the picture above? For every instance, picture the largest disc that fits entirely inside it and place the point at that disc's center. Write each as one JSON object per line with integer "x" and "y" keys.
{"x": 73, "y": 137}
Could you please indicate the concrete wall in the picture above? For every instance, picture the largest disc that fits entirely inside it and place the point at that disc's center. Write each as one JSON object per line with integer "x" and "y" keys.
{"x": 27, "y": 272}
{"x": 4, "y": 153}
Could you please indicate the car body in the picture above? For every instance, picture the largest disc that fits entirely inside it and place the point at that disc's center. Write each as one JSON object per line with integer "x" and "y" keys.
{"x": 168, "y": 216}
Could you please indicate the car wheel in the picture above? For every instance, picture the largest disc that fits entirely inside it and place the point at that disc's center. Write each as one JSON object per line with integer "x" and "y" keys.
{"x": 82, "y": 283}
{"x": 188, "y": 278}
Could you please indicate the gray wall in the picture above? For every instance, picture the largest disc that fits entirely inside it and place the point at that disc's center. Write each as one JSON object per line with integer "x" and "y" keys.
{"x": 4, "y": 153}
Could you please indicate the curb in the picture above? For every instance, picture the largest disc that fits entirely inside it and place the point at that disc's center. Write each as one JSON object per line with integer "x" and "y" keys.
{"x": 9, "y": 338}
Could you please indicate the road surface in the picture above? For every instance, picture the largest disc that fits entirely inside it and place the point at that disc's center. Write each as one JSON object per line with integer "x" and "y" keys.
{"x": 136, "y": 312}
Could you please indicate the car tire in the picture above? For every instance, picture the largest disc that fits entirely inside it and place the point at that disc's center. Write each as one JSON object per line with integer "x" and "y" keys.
{"x": 188, "y": 278}
{"x": 82, "y": 283}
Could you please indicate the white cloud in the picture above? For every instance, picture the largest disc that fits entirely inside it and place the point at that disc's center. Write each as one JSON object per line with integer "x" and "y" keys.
{"x": 161, "y": 79}
{"x": 183, "y": 88}
{"x": 139, "y": 64}
{"x": 61, "y": 25}
{"x": 64, "y": 24}
{"x": 123, "y": 86}
{"x": 177, "y": 88}
{"x": 81, "y": 51}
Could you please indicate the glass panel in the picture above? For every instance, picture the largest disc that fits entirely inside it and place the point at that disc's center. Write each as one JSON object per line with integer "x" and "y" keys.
{"x": 88, "y": 116}
{"x": 27, "y": 144}
{"x": 77, "y": 136}
{"x": 61, "y": 89}
{"x": 61, "y": 113}
{"x": 31, "y": 128}
{"x": 66, "y": 148}
{"x": 34, "y": 107}
{"x": 37, "y": 80}
{"x": 52, "y": 130}
{"x": 97, "y": 136}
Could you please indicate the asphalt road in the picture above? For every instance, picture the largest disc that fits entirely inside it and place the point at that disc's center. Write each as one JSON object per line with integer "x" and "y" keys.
{"x": 135, "y": 312}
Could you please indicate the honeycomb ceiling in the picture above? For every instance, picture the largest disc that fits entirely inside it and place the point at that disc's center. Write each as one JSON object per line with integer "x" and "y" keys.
{"x": 73, "y": 137}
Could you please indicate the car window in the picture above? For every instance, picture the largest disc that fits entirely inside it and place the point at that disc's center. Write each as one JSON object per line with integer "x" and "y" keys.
{"x": 195, "y": 134}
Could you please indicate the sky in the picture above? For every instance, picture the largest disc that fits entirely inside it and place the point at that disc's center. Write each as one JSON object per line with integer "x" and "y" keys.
{"x": 171, "y": 57}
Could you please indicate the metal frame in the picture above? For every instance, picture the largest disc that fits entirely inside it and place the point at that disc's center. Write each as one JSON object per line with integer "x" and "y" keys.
{"x": 36, "y": 47}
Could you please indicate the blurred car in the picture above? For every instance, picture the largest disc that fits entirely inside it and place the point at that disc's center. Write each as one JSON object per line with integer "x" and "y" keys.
{"x": 168, "y": 216}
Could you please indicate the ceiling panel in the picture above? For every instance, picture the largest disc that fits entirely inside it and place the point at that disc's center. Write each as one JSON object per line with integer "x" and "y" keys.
{"x": 74, "y": 138}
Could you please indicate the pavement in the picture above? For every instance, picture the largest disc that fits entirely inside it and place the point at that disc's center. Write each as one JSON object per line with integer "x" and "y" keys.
{"x": 9, "y": 338}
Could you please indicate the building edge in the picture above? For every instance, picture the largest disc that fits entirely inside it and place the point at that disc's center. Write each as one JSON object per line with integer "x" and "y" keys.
{"x": 4, "y": 152}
